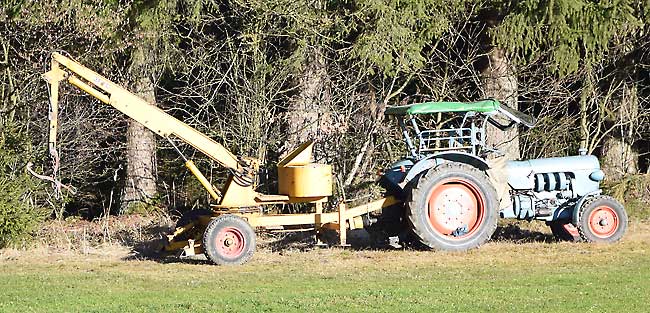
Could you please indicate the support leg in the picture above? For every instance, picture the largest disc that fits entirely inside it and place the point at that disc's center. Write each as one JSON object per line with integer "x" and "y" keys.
{"x": 318, "y": 225}
{"x": 343, "y": 230}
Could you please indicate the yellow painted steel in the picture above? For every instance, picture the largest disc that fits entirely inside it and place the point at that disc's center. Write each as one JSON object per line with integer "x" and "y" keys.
{"x": 343, "y": 236}
{"x": 258, "y": 220}
{"x": 299, "y": 156}
{"x": 149, "y": 115}
{"x": 87, "y": 88}
{"x": 237, "y": 196}
{"x": 204, "y": 181}
{"x": 311, "y": 180}
{"x": 53, "y": 77}
{"x": 175, "y": 245}
{"x": 298, "y": 178}
{"x": 341, "y": 220}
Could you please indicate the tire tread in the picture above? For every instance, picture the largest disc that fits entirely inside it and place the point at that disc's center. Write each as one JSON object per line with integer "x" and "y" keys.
{"x": 417, "y": 192}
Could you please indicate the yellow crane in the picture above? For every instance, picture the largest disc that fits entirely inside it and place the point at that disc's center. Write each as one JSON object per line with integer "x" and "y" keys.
{"x": 227, "y": 235}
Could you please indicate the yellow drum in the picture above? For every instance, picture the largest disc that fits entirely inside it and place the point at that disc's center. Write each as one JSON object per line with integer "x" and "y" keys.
{"x": 305, "y": 181}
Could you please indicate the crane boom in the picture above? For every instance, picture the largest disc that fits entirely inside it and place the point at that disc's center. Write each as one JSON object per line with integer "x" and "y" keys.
{"x": 133, "y": 106}
{"x": 299, "y": 180}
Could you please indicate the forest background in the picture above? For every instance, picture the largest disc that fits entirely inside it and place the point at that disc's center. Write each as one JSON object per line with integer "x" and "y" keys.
{"x": 263, "y": 76}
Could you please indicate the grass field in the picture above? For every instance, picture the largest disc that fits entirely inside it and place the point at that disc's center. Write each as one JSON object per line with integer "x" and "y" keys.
{"x": 499, "y": 277}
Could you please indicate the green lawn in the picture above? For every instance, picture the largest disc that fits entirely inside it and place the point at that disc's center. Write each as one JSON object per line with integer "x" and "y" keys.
{"x": 501, "y": 276}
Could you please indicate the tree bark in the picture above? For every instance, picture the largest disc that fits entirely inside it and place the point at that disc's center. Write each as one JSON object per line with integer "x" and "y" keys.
{"x": 307, "y": 117}
{"x": 618, "y": 156}
{"x": 140, "y": 182}
{"x": 500, "y": 83}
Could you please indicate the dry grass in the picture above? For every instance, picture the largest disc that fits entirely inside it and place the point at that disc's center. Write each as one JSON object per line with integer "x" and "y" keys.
{"x": 512, "y": 240}
{"x": 504, "y": 275}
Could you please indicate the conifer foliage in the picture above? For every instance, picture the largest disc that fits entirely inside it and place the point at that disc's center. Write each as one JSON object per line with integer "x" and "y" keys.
{"x": 259, "y": 76}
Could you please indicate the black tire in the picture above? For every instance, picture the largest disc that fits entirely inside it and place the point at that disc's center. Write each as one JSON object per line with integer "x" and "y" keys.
{"x": 602, "y": 219}
{"x": 451, "y": 176}
{"x": 391, "y": 222}
{"x": 564, "y": 230}
{"x": 229, "y": 240}
{"x": 391, "y": 228}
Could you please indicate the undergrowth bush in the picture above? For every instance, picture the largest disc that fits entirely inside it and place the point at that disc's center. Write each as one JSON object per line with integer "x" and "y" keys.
{"x": 19, "y": 212}
{"x": 19, "y": 216}
{"x": 634, "y": 192}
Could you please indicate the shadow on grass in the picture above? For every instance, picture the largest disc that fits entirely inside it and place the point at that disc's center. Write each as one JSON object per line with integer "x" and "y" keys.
{"x": 305, "y": 240}
{"x": 513, "y": 233}
{"x": 152, "y": 250}
{"x": 362, "y": 240}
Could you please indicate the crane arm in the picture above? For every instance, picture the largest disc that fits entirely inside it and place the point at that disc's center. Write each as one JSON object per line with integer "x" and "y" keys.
{"x": 133, "y": 106}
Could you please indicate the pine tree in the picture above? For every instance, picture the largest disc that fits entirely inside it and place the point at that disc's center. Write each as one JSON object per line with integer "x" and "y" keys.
{"x": 569, "y": 37}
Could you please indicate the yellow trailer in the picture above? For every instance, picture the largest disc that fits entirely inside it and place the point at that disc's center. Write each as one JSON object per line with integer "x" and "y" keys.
{"x": 227, "y": 235}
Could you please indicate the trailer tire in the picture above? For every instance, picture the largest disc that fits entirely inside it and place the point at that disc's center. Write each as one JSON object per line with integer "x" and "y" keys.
{"x": 602, "y": 219}
{"x": 229, "y": 240}
{"x": 453, "y": 207}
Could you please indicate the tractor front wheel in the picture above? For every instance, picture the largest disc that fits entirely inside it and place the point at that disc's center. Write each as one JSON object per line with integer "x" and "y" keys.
{"x": 602, "y": 219}
{"x": 229, "y": 240}
{"x": 453, "y": 207}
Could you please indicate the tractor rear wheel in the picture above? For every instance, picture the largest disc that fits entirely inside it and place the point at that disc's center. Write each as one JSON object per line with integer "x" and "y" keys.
{"x": 453, "y": 207}
{"x": 602, "y": 219}
{"x": 564, "y": 230}
{"x": 229, "y": 240}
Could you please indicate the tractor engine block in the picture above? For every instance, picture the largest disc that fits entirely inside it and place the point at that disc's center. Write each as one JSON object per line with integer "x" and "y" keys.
{"x": 540, "y": 186}
{"x": 557, "y": 181}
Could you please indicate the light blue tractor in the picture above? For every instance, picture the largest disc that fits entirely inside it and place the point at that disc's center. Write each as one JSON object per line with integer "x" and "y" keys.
{"x": 454, "y": 194}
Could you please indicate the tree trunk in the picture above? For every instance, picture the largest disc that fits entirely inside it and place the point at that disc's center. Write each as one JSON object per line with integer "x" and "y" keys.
{"x": 307, "y": 117}
{"x": 618, "y": 156}
{"x": 140, "y": 182}
{"x": 500, "y": 83}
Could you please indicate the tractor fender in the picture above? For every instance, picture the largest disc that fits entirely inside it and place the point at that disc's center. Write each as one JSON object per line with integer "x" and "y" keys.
{"x": 434, "y": 160}
{"x": 582, "y": 200}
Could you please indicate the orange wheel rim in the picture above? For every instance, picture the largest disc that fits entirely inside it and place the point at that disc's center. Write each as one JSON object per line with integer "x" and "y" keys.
{"x": 456, "y": 208}
{"x": 603, "y": 222}
{"x": 230, "y": 242}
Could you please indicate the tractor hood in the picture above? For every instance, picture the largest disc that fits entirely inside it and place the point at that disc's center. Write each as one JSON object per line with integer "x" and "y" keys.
{"x": 521, "y": 174}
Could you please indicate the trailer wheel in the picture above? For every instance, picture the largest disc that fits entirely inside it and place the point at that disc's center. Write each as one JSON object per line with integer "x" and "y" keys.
{"x": 564, "y": 230}
{"x": 453, "y": 207}
{"x": 602, "y": 219}
{"x": 229, "y": 240}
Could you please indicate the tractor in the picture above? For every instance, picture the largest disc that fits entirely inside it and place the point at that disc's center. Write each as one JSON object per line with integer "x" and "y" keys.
{"x": 453, "y": 192}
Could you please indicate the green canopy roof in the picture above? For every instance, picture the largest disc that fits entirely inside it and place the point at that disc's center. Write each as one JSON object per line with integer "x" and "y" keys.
{"x": 482, "y": 106}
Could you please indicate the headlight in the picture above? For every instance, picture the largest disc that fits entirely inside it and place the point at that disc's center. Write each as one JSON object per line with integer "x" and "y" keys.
{"x": 597, "y": 175}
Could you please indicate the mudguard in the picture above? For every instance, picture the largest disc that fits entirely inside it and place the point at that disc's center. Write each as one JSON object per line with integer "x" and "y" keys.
{"x": 582, "y": 200}
{"x": 439, "y": 158}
